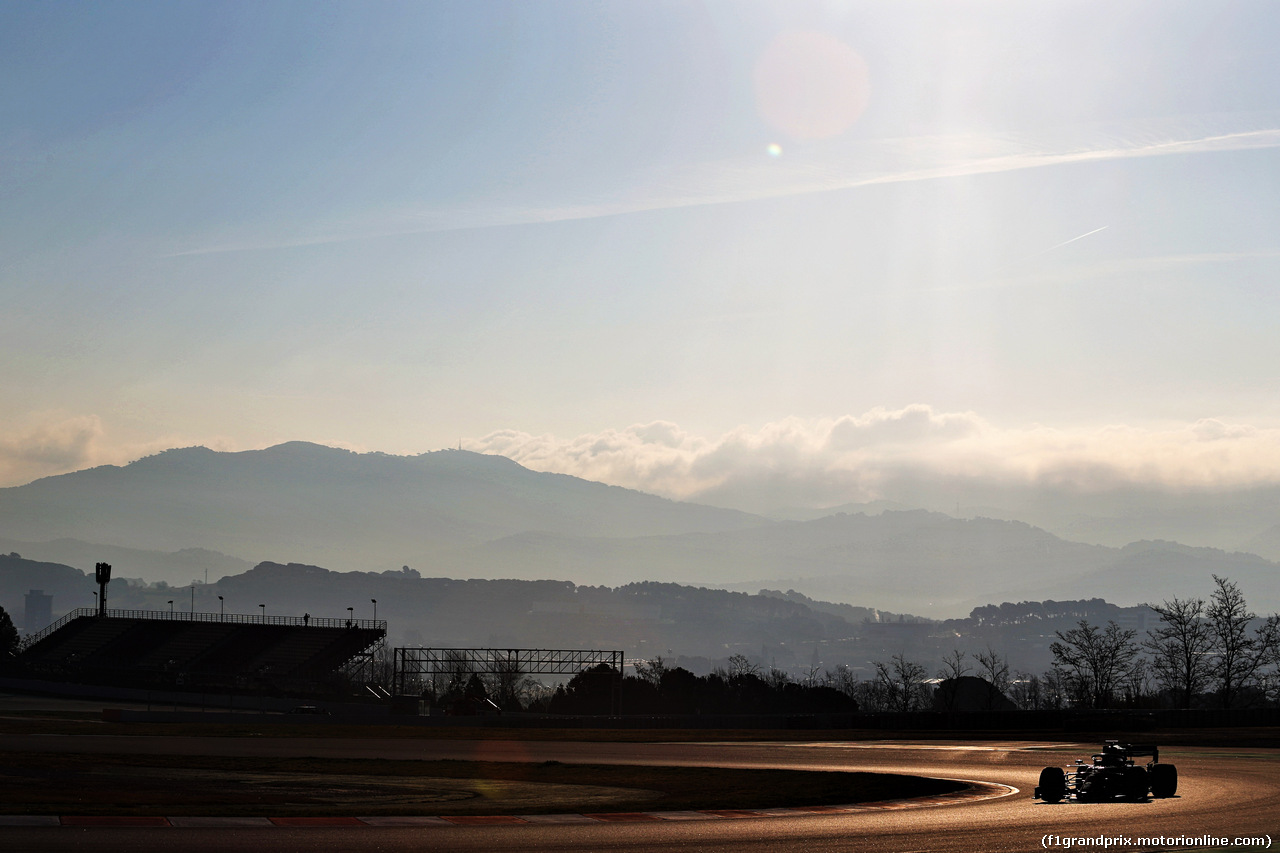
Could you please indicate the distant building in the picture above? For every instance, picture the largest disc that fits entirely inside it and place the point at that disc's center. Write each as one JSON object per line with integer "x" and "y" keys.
{"x": 38, "y": 612}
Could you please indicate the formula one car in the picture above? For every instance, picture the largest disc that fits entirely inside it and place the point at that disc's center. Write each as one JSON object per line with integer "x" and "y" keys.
{"x": 1111, "y": 776}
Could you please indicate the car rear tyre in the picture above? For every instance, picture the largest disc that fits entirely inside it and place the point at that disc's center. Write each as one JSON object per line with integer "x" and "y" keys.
{"x": 1053, "y": 784}
{"x": 1164, "y": 780}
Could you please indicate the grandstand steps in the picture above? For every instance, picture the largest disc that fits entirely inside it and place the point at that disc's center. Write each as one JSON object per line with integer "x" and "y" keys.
{"x": 205, "y": 650}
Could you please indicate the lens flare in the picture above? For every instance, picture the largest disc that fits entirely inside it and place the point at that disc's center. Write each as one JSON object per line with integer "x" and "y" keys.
{"x": 810, "y": 85}
{"x": 774, "y": 150}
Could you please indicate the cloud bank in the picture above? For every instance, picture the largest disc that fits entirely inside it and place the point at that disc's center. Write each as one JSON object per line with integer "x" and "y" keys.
{"x": 60, "y": 444}
{"x": 915, "y": 455}
{"x": 912, "y": 455}
{"x": 51, "y": 447}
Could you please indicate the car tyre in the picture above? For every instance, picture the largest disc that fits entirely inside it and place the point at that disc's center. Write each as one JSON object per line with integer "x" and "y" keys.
{"x": 1164, "y": 780}
{"x": 1136, "y": 783}
{"x": 1053, "y": 785}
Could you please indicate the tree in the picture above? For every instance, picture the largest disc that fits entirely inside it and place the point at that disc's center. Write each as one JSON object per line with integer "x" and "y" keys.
{"x": 1239, "y": 655}
{"x": 1181, "y": 648}
{"x": 995, "y": 671}
{"x": 953, "y": 668}
{"x": 8, "y": 637}
{"x": 1027, "y": 691}
{"x": 590, "y": 691}
{"x": 1095, "y": 661}
{"x": 1053, "y": 694}
{"x": 777, "y": 678}
{"x": 651, "y": 670}
{"x": 901, "y": 684}
{"x": 740, "y": 665}
{"x": 507, "y": 685}
{"x": 841, "y": 678}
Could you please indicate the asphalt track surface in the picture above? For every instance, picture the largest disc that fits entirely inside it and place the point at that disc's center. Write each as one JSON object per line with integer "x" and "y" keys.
{"x": 1223, "y": 793}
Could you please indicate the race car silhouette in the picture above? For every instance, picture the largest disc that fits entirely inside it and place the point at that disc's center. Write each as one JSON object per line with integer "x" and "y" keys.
{"x": 1112, "y": 775}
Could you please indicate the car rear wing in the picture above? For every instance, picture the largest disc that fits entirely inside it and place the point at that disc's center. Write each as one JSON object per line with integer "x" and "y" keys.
{"x": 1135, "y": 749}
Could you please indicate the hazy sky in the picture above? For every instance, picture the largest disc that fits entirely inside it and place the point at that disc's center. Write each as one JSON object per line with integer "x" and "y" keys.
{"x": 652, "y": 243}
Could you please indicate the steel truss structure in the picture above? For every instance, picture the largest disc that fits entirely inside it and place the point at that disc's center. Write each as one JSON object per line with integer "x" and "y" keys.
{"x": 368, "y": 669}
{"x": 415, "y": 669}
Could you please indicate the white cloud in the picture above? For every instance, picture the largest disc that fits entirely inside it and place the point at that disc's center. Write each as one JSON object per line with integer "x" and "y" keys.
{"x": 912, "y": 425}
{"x": 900, "y": 455}
{"x": 51, "y": 447}
{"x": 62, "y": 444}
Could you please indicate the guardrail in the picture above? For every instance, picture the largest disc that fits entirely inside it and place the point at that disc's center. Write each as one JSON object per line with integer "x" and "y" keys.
{"x": 219, "y": 618}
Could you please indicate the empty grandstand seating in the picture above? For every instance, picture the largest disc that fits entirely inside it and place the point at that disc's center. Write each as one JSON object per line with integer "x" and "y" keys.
{"x": 183, "y": 646}
{"x": 155, "y": 648}
{"x": 78, "y": 640}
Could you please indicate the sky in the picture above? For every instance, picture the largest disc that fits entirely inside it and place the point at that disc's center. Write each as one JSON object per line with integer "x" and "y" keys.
{"x": 675, "y": 246}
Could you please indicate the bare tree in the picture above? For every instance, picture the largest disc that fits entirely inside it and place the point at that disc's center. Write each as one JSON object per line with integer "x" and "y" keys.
{"x": 1136, "y": 683}
{"x": 1180, "y": 648}
{"x": 506, "y": 683}
{"x": 1054, "y": 691}
{"x": 953, "y": 669}
{"x": 872, "y": 695}
{"x": 995, "y": 671}
{"x": 902, "y": 683}
{"x": 651, "y": 670}
{"x": 842, "y": 678}
{"x": 777, "y": 678}
{"x": 1095, "y": 661}
{"x": 534, "y": 693}
{"x": 1026, "y": 691}
{"x": 740, "y": 664}
{"x": 1240, "y": 655}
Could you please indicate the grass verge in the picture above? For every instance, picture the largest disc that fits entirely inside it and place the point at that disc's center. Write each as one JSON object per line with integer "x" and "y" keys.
{"x": 47, "y": 783}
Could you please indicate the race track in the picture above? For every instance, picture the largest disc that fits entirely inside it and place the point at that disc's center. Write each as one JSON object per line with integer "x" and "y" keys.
{"x": 1224, "y": 793}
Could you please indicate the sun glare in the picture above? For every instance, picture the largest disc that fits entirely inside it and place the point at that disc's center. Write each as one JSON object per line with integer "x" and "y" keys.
{"x": 810, "y": 85}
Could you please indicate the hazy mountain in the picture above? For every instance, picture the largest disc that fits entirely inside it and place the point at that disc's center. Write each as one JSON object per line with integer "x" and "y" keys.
{"x": 909, "y": 561}
{"x": 916, "y": 562}
{"x": 70, "y": 588}
{"x": 1150, "y": 572}
{"x": 868, "y": 508}
{"x": 1246, "y": 519}
{"x": 176, "y": 568}
{"x": 301, "y": 501}
{"x": 460, "y": 514}
{"x": 1232, "y": 519}
{"x": 1266, "y": 543}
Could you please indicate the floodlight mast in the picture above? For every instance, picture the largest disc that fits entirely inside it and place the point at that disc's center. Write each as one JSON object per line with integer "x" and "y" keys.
{"x": 102, "y": 574}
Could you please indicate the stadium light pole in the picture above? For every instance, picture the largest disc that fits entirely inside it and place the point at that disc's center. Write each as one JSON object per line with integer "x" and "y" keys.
{"x": 171, "y": 607}
{"x": 350, "y": 617}
{"x": 193, "y": 597}
{"x": 375, "y": 609}
{"x": 222, "y": 608}
{"x": 264, "y": 613}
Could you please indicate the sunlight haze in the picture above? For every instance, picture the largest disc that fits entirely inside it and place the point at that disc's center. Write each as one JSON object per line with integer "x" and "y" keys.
{"x": 755, "y": 254}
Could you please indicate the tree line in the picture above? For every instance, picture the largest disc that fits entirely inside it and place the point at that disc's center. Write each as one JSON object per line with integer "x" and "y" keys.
{"x": 1214, "y": 652}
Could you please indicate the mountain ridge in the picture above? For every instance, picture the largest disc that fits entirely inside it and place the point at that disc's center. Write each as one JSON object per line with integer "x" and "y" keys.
{"x": 302, "y": 501}
{"x": 457, "y": 513}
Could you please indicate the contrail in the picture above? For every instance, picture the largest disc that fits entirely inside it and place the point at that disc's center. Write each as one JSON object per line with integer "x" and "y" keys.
{"x": 1026, "y": 258}
{"x": 1072, "y": 240}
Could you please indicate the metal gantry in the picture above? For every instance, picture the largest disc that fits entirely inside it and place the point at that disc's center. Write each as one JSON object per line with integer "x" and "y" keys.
{"x": 416, "y": 668}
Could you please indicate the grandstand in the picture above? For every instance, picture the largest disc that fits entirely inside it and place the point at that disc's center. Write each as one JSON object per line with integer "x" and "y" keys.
{"x": 203, "y": 651}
